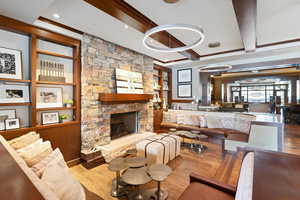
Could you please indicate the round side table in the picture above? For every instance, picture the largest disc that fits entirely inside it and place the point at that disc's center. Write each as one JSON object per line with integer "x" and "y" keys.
{"x": 135, "y": 162}
{"x": 159, "y": 172}
{"x": 136, "y": 177}
{"x": 116, "y": 165}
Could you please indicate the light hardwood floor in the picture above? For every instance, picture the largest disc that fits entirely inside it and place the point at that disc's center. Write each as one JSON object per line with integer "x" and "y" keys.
{"x": 210, "y": 164}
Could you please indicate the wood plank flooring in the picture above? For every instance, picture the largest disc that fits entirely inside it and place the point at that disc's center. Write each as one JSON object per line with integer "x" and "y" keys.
{"x": 210, "y": 164}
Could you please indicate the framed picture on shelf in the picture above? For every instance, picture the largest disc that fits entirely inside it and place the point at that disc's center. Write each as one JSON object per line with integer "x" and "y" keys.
{"x": 12, "y": 123}
{"x": 49, "y": 97}
{"x": 14, "y": 93}
{"x": 10, "y": 63}
{"x": 184, "y": 91}
{"x": 184, "y": 75}
{"x": 50, "y": 118}
{"x": 6, "y": 114}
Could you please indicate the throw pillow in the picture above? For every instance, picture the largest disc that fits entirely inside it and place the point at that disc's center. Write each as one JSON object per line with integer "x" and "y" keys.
{"x": 31, "y": 146}
{"x": 59, "y": 180}
{"x": 35, "y": 155}
{"x": 24, "y": 141}
{"x": 192, "y": 120}
{"x": 202, "y": 121}
{"x": 169, "y": 117}
{"x": 17, "y": 139}
{"x": 55, "y": 156}
{"x": 214, "y": 121}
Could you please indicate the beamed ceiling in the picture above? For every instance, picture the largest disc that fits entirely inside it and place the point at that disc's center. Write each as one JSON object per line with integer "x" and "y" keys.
{"x": 240, "y": 26}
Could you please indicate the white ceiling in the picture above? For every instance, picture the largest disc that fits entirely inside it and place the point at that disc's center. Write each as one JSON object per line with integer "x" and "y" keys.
{"x": 277, "y": 20}
{"x": 216, "y": 17}
{"x": 24, "y": 10}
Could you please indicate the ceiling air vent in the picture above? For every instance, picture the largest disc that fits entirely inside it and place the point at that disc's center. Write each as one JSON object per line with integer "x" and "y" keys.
{"x": 214, "y": 44}
{"x": 171, "y": 1}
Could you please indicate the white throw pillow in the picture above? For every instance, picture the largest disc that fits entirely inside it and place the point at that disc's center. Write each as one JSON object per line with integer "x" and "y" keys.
{"x": 214, "y": 121}
{"x": 202, "y": 121}
{"x": 60, "y": 181}
{"x": 31, "y": 146}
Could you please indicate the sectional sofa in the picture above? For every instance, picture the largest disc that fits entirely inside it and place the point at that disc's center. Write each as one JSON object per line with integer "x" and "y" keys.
{"x": 209, "y": 123}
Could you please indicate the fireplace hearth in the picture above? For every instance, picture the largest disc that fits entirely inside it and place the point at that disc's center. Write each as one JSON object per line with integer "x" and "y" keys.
{"x": 122, "y": 124}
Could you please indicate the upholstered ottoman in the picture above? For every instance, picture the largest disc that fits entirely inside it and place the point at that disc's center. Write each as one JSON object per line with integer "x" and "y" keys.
{"x": 159, "y": 149}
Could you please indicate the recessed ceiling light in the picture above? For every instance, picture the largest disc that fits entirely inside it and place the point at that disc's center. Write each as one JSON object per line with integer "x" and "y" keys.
{"x": 56, "y": 16}
{"x": 126, "y": 26}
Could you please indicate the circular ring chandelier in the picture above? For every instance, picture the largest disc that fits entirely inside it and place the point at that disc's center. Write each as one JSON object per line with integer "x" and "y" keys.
{"x": 215, "y": 68}
{"x": 166, "y": 27}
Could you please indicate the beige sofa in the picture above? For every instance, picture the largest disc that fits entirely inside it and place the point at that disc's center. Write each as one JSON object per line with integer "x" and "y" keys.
{"x": 42, "y": 188}
{"x": 210, "y": 123}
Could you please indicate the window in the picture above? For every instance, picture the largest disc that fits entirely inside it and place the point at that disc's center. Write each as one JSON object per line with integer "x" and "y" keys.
{"x": 259, "y": 93}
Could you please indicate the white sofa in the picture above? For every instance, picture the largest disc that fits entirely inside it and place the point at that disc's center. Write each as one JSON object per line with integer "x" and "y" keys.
{"x": 41, "y": 187}
{"x": 209, "y": 122}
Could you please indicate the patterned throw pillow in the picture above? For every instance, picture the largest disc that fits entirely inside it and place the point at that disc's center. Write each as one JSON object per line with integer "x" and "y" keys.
{"x": 55, "y": 156}
{"x": 214, "y": 121}
{"x": 243, "y": 122}
{"x": 228, "y": 122}
{"x": 35, "y": 155}
{"x": 192, "y": 120}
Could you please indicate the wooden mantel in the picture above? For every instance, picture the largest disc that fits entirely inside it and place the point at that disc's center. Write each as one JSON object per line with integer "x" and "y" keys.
{"x": 107, "y": 98}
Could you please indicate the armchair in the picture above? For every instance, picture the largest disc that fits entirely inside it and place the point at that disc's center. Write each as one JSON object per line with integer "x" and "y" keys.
{"x": 205, "y": 188}
{"x": 263, "y": 135}
{"x": 202, "y": 188}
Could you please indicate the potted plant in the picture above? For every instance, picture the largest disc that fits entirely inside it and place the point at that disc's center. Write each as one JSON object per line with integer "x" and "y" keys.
{"x": 63, "y": 118}
{"x": 68, "y": 103}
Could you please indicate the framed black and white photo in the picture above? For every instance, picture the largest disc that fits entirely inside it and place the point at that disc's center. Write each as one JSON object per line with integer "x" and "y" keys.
{"x": 184, "y": 91}
{"x": 50, "y": 118}
{"x": 14, "y": 93}
{"x": 184, "y": 75}
{"x": 49, "y": 97}
{"x": 10, "y": 63}
{"x": 6, "y": 114}
{"x": 12, "y": 123}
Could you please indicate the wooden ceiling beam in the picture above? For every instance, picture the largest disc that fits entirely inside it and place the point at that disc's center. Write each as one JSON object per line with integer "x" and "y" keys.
{"x": 246, "y": 12}
{"x": 132, "y": 17}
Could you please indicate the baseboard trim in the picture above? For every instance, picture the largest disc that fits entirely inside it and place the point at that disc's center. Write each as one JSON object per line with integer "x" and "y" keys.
{"x": 74, "y": 162}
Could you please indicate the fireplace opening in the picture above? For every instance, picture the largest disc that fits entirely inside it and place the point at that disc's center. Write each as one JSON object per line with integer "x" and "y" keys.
{"x": 122, "y": 124}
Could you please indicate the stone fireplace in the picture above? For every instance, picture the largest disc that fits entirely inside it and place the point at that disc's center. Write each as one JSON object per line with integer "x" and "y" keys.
{"x": 122, "y": 124}
{"x": 100, "y": 59}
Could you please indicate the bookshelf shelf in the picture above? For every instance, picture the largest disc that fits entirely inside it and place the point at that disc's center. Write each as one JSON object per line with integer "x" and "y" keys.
{"x": 49, "y": 53}
{"x": 15, "y": 80}
{"x": 56, "y": 108}
{"x": 54, "y": 83}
